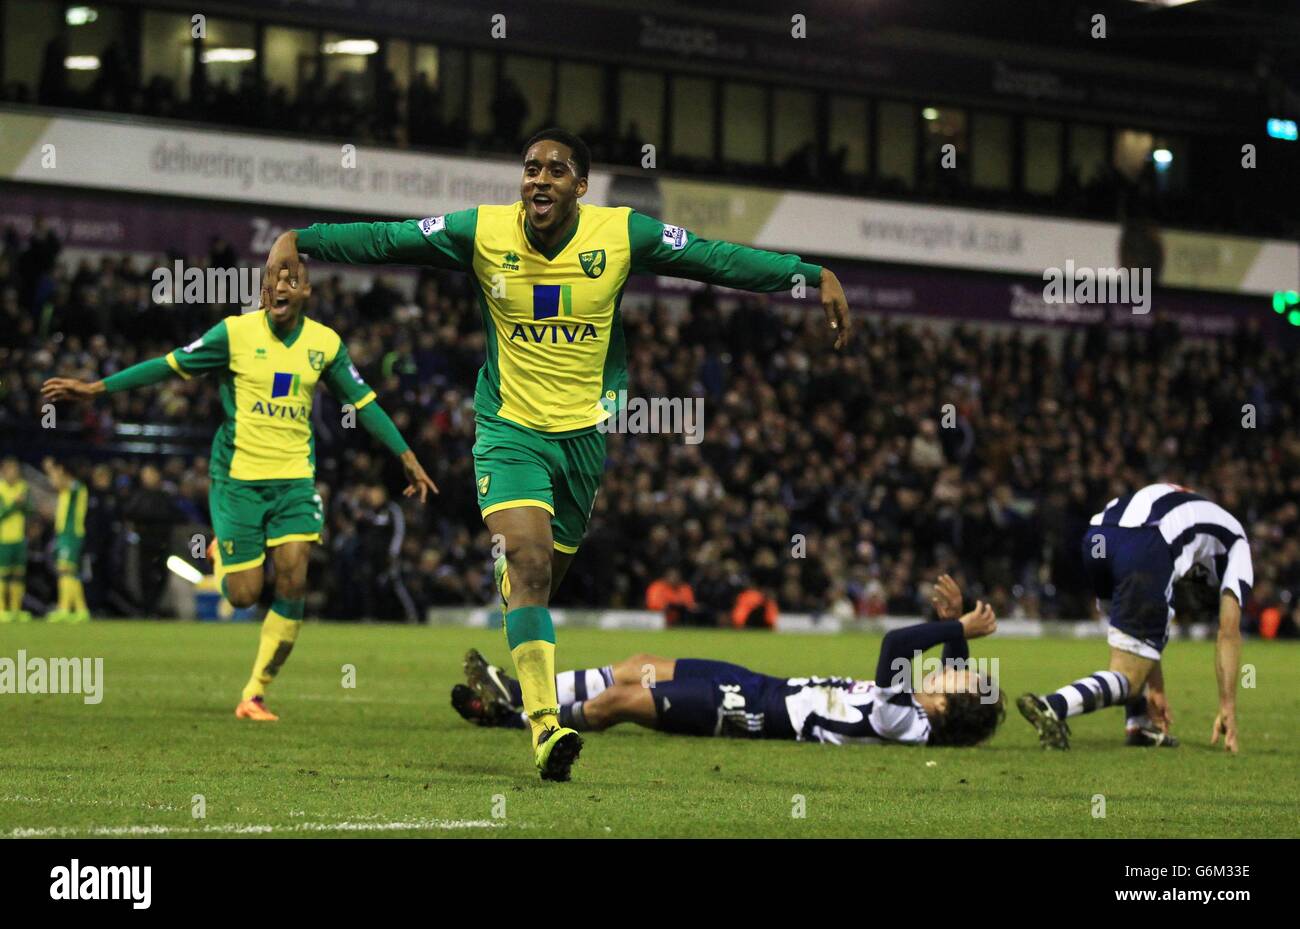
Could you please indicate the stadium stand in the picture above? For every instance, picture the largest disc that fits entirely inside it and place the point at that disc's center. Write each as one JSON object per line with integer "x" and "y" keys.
{"x": 844, "y": 450}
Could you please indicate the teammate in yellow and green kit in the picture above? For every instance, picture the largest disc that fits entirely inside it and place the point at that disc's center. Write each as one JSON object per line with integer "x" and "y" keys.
{"x": 13, "y": 542}
{"x": 69, "y": 538}
{"x": 263, "y": 464}
{"x": 549, "y": 275}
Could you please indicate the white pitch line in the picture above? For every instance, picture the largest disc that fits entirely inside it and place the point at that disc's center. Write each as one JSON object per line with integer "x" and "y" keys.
{"x": 81, "y": 802}
{"x": 253, "y": 828}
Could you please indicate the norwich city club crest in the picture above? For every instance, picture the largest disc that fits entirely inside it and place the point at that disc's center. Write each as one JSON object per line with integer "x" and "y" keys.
{"x": 316, "y": 359}
{"x": 483, "y": 483}
{"x": 593, "y": 263}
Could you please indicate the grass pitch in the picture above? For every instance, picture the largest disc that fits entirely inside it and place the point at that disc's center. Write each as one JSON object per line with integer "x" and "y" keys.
{"x": 390, "y": 756}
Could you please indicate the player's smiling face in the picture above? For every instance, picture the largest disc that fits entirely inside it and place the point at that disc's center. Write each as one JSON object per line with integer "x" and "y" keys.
{"x": 551, "y": 186}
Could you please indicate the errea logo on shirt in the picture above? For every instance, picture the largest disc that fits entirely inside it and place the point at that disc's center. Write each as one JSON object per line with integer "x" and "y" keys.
{"x": 432, "y": 224}
{"x": 674, "y": 237}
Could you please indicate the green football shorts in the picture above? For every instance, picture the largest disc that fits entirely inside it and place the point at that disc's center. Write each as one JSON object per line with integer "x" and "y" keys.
{"x": 13, "y": 558}
{"x": 516, "y": 466}
{"x": 251, "y": 516}
{"x": 67, "y": 551}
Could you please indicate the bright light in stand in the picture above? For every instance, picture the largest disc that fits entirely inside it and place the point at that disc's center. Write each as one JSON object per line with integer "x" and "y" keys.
{"x": 1163, "y": 157}
{"x": 351, "y": 47}
{"x": 213, "y": 55}
{"x": 81, "y": 62}
{"x": 930, "y": 113}
{"x": 183, "y": 569}
{"x": 80, "y": 15}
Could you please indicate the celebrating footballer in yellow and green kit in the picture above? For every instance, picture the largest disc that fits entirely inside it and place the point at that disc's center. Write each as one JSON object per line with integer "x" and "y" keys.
{"x": 263, "y": 464}
{"x": 13, "y": 542}
{"x": 549, "y": 275}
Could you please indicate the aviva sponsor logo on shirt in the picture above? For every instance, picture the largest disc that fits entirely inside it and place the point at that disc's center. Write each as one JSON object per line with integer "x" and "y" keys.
{"x": 289, "y": 387}
{"x": 285, "y": 385}
{"x": 552, "y": 301}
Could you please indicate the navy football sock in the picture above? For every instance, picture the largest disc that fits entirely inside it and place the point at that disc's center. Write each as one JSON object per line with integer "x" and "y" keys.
{"x": 1105, "y": 688}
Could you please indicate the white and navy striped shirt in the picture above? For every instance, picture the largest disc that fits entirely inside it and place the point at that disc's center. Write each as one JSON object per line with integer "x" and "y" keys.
{"x": 842, "y": 711}
{"x": 1197, "y": 531}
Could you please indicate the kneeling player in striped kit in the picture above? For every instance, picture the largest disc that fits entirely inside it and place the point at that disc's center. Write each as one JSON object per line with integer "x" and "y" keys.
{"x": 691, "y": 696}
{"x": 1138, "y": 551}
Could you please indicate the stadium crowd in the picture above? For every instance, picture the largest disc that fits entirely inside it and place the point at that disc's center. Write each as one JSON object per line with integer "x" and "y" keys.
{"x": 830, "y": 483}
{"x": 376, "y": 109}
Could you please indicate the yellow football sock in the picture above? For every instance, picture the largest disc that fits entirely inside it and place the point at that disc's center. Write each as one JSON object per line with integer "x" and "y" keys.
{"x": 65, "y": 594}
{"x": 17, "y": 589}
{"x": 531, "y": 636}
{"x": 279, "y": 632}
{"x": 77, "y": 595}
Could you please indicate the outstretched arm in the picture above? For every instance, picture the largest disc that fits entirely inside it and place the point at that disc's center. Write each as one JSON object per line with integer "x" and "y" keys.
{"x": 209, "y": 351}
{"x": 438, "y": 241}
{"x": 1227, "y": 664}
{"x": 1234, "y": 592}
{"x": 899, "y": 646}
{"x": 344, "y": 381}
{"x": 658, "y": 248}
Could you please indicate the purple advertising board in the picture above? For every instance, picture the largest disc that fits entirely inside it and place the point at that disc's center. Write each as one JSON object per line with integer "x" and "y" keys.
{"x": 118, "y": 223}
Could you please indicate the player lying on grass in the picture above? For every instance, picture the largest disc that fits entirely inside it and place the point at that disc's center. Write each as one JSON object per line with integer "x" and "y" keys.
{"x": 549, "y": 274}
{"x": 263, "y": 465}
{"x": 1139, "y": 551}
{"x": 690, "y": 696}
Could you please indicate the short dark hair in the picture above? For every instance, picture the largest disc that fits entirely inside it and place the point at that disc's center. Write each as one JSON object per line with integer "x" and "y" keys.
{"x": 968, "y": 720}
{"x": 581, "y": 153}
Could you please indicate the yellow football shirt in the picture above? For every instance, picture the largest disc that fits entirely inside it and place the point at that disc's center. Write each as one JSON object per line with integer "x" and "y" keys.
{"x": 267, "y": 385}
{"x": 13, "y": 501}
{"x": 556, "y": 354}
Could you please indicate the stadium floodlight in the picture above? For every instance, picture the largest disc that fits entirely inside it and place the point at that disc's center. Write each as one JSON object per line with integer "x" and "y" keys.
{"x": 1284, "y": 129}
{"x": 1163, "y": 158}
{"x": 80, "y": 15}
{"x": 81, "y": 62}
{"x": 930, "y": 113}
{"x": 214, "y": 55}
{"x": 183, "y": 569}
{"x": 351, "y": 47}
